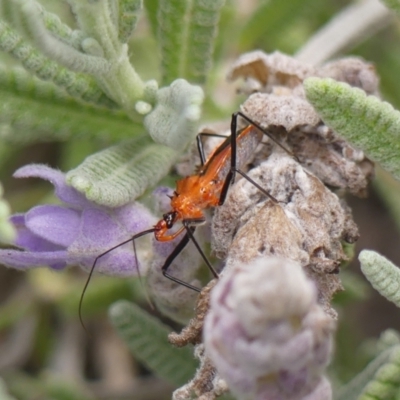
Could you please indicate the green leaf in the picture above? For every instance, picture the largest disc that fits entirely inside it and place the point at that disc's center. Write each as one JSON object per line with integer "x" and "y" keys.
{"x": 386, "y": 381}
{"x": 120, "y": 174}
{"x": 382, "y": 274}
{"x": 172, "y": 32}
{"x": 77, "y": 85}
{"x": 32, "y": 110}
{"x": 147, "y": 339}
{"x": 118, "y": 79}
{"x": 187, "y": 30}
{"x": 56, "y": 49}
{"x": 129, "y": 14}
{"x": 173, "y": 121}
{"x": 365, "y": 121}
{"x": 353, "y": 389}
{"x": 54, "y": 25}
{"x": 388, "y": 338}
{"x": 202, "y": 32}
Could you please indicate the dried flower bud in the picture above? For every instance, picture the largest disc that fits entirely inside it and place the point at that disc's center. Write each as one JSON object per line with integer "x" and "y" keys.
{"x": 265, "y": 332}
{"x": 206, "y": 384}
{"x": 280, "y": 105}
{"x": 354, "y": 71}
{"x": 308, "y": 224}
{"x": 271, "y": 69}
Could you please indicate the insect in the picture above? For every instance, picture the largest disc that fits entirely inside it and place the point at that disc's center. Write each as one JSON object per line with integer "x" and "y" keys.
{"x": 207, "y": 188}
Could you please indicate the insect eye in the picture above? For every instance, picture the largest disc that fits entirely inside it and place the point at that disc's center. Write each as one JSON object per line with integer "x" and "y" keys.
{"x": 169, "y": 219}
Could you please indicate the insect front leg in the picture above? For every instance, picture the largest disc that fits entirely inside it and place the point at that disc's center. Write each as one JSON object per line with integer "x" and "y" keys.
{"x": 186, "y": 224}
{"x": 177, "y": 250}
{"x": 264, "y": 131}
{"x": 200, "y": 144}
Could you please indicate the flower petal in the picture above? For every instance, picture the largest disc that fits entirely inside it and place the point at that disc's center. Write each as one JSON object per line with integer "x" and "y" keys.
{"x": 135, "y": 218}
{"x": 99, "y": 232}
{"x": 27, "y": 239}
{"x": 65, "y": 193}
{"x": 28, "y": 259}
{"x": 119, "y": 262}
{"x": 58, "y": 225}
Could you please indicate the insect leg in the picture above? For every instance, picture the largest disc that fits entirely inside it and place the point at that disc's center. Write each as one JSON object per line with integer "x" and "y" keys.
{"x": 200, "y": 145}
{"x": 265, "y": 132}
{"x": 132, "y": 239}
{"x": 230, "y": 178}
{"x": 177, "y": 250}
{"x": 193, "y": 239}
{"x": 260, "y": 188}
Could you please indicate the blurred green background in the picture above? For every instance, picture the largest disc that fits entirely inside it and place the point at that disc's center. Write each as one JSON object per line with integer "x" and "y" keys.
{"x": 44, "y": 351}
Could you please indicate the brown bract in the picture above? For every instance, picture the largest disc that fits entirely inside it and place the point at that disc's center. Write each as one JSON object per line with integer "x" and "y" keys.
{"x": 271, "y": 69}
{"x": 307, "y": 225}
{"x": 191, "y": 334}
{"x": 279, "y": 104}
{"x": 278, "y": 69}
{"x": 206, "y": 384}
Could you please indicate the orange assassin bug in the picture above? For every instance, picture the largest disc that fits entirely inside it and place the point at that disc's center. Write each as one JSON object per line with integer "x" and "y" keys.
{"x": 207, "y": 188}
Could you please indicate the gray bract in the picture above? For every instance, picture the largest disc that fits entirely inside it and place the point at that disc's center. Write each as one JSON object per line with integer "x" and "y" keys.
{"x": 267, "y": 348}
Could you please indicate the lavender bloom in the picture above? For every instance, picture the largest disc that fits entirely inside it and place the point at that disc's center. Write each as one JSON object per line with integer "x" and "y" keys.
{"x": 266, "y": 334}
{"x": 77, "y": 231}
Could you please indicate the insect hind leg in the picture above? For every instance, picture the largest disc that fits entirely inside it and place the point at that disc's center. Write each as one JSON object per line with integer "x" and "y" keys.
{"x": 230, "y": 178}
{"x": 200, "y": 144}
{"x": 264, "y": 131}
{"x": 179, "y": 248}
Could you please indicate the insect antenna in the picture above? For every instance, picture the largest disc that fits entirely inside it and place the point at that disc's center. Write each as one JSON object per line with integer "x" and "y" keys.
{"x": 132, "y": 239}
{"x": 140, "y": 278}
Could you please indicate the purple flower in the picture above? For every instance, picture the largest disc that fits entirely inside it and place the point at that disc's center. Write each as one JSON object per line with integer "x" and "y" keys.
{"x": 77, "y": 231}
{"x": 266, "y": 334}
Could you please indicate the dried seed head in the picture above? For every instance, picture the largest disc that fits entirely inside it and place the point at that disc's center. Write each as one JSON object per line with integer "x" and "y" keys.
{"x": 206, "y": 384}
{"x": 275, "y": 69}
{"x": 281, "y": 258}
{"x": 280, "y": 105}
{"x": 307, "y": 225}
{"x": 280, "y": 110}
{"x": 353, "y": 70}
{"x": 192, "y": 333}
{"x": 278, "y": 69}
